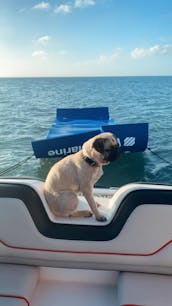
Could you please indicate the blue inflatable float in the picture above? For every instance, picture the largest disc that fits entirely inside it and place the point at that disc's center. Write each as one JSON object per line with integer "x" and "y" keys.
{"x": 73, "y": 126}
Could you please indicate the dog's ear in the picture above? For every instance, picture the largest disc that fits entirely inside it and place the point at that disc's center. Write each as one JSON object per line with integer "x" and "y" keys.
{"x": 98, "y": 145}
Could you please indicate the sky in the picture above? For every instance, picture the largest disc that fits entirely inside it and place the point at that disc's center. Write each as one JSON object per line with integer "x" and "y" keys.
{"x": 85, "y": 38}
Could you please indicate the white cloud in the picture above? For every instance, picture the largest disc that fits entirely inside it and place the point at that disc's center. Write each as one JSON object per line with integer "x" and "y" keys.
{"x": 155, "y": 50}
{"x": 138, "y": 53}
{"x": 63, "y": 8}
{"x": 43, "y": 40}
{"x": 102, "y": 60}
{"x": 42, "y": 6}
{"x": 84, "y": 3}
{"x": 167, "y": 49}
{"x": 108, "y": 58}
{"x": 40, "y": 54}
{"x": 103, "y": 64}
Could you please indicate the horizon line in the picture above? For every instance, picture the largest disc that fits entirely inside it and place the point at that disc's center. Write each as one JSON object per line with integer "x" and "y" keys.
{"x": 85, "y": 76}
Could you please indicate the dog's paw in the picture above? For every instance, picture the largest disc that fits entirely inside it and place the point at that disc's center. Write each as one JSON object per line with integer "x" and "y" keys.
{"x": 101, "y": 218}
{"x": 88, "y": 214}
{"x": 81, "y": 213}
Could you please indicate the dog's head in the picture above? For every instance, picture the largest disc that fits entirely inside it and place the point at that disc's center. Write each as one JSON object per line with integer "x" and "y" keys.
{"x": 102, "y": 148}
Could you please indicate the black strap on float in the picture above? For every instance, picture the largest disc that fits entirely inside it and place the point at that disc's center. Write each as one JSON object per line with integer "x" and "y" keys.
{"x": 17, "y": 165}
{"x": 162, "y": 158}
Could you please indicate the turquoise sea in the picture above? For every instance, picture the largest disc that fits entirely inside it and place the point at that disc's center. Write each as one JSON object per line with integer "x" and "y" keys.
{"x": 28, "y": 108}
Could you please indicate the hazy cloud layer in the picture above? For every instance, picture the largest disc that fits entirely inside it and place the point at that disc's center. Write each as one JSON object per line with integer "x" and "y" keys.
{"x": 155, "y": 50}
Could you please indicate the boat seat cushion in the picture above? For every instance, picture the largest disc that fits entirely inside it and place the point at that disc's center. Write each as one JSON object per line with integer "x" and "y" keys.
{"x": 144, "y": 289}
{"x": 17, "y": 284}
{"x": 13, "y": 301}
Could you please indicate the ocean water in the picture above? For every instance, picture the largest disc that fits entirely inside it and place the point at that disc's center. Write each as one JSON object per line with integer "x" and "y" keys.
{"x": 28, "y": 108}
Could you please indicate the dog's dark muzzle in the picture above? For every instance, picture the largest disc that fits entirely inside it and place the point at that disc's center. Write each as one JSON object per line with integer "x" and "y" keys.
{"x": 112, "y": 153}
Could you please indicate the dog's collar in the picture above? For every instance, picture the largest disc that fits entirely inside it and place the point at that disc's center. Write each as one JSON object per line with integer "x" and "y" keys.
{"x": 89, "y": 161}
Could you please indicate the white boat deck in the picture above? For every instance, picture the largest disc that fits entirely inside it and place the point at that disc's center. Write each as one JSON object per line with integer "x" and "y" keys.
{"x": 128, "y": 267}
{"x": 76, "y": 288}
{"x": 103, "y": 196}
{"x": 36, "y": 286}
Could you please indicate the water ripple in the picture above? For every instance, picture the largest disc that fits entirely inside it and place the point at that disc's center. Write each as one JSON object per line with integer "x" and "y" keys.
{"x": 28, "y": 108}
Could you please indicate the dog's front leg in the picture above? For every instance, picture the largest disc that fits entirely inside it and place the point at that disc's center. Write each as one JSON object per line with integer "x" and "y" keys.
{"x": 93, "y": 205}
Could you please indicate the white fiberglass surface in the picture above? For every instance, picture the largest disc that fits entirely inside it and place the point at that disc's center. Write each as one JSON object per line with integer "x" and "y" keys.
{"x": 75, "y": 288}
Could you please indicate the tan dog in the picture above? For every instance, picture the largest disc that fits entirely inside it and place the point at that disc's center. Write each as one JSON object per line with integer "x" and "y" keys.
{"x": 78, "y": 173}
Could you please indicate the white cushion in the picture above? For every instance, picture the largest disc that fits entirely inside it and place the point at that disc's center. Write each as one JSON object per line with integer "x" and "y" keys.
{"x": 145, "y": 289}
{"x": 12, "y": 301}
{"x": 17, "y": 284}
